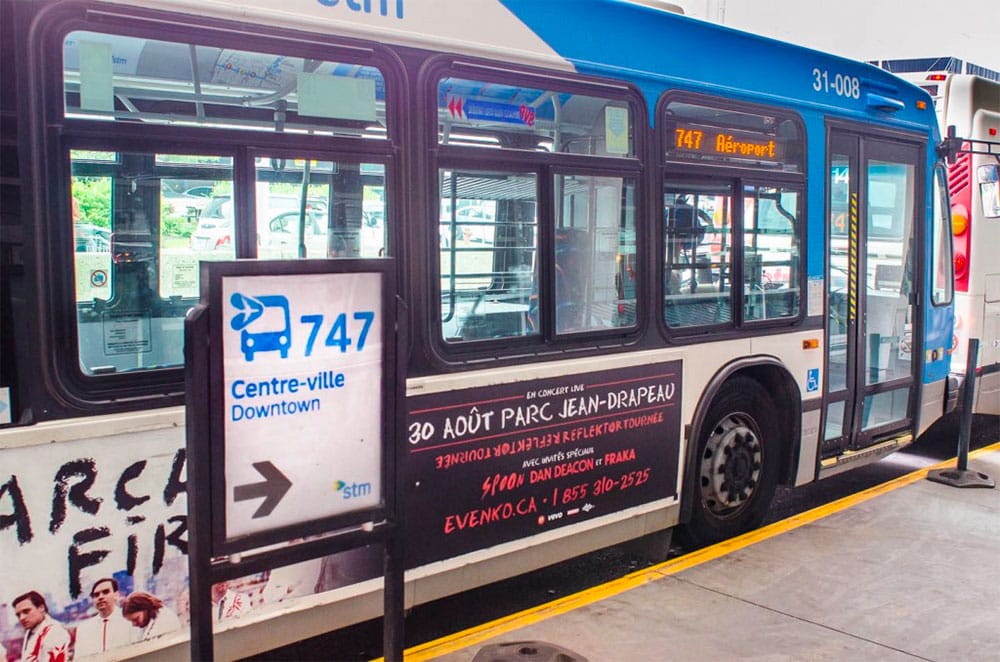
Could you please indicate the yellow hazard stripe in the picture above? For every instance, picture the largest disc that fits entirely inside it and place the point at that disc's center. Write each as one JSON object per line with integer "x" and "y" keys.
{"x": 852, "y": 273}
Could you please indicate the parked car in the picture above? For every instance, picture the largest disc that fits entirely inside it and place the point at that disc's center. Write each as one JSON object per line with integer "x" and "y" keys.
{"x": 283, "y": 232}
{"x": 215, "y": 226}
{"x": 192, "y": 202}
{"x": 475, "y": 222}
{"x": 216, "y": 223}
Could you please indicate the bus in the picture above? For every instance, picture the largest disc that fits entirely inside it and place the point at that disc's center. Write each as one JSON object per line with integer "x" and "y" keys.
{"x": 967, "y": 97}
{"x": 651, "y": 268}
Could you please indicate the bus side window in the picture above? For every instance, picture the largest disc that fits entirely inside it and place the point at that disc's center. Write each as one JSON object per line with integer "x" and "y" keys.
{"x": 770, "y": 252}
{"x": 487, "y": 247}
{"x": 594, "y": 253}
{"x": 136, "y": 224}
{"x": 311, "y": 208}
{"x": 698, "y": 254}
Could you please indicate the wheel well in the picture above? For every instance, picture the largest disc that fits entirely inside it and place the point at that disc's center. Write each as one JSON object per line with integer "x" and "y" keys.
{"x": 788, "y": 408}
{"x": 776, "y": 380}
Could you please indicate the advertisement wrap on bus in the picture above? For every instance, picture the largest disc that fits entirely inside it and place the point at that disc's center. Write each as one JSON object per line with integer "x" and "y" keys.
{"x": 552, "y": 453}
{"x": 634, "y": 298}
{"x": 98, "y": 513}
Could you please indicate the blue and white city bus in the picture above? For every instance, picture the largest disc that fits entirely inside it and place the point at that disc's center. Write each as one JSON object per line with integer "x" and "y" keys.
{"x": 653, "y": 268}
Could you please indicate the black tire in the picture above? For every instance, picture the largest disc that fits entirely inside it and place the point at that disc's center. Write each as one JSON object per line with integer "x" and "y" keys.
{"x": 652, "y": 547}
{"x": 736, "y": 469}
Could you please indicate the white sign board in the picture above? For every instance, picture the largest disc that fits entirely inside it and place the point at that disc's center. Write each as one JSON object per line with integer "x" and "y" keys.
{"x": 303, "y": 410}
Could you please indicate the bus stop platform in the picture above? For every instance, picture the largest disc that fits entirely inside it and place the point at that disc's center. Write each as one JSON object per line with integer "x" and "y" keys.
{"x": 906, "y": 570}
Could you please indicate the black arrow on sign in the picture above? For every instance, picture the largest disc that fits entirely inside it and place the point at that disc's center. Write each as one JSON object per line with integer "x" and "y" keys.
{"x": 273, "y": 488}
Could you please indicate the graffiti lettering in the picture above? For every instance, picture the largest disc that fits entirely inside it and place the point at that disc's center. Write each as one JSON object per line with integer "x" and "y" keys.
{"x": 76, "y": 494}
{"x": 123, "y": 499}
{"x": 18, "y": 516}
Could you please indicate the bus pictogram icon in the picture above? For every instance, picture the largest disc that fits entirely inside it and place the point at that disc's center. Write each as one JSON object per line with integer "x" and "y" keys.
{"x": 264, "y": 324}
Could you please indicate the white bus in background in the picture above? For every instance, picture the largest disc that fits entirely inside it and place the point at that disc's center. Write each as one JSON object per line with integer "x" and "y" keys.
{"x": 967, "y": 97}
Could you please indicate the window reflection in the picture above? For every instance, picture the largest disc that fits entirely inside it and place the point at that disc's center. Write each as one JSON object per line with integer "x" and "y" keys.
{"x": 141, "y": 222}
{"x": 319, "y": 209}
{"x": 595, "y": 265}
{"x": 488, "y": 241}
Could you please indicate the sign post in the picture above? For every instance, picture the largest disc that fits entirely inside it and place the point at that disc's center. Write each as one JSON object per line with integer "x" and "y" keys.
{"x": 293, "y": 396}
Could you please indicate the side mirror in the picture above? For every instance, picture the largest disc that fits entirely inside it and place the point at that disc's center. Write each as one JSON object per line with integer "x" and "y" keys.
{"x": 949, "y": 148}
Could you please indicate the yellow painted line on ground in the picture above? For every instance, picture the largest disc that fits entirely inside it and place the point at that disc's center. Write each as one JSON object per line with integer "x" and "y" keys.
{"x": 500, "y": 626}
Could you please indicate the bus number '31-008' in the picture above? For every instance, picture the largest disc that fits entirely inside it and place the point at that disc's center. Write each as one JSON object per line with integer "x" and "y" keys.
{"x": 839, "y": 84}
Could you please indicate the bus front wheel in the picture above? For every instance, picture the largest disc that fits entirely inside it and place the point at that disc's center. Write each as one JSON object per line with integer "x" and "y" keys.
{"x": 737, "y": 464}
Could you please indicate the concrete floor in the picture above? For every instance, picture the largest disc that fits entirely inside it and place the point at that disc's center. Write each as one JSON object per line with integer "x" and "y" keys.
{"x": 911, "y": 571}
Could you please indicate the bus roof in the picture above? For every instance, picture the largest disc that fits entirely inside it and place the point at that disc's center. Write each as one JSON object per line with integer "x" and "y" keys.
{"x": 600, "y": 37}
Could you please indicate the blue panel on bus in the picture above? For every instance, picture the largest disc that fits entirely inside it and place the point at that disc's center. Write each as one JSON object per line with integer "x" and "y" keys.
{"x": 631, "y": 37}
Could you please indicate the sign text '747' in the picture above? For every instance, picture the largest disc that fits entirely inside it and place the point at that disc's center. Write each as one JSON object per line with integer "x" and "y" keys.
{"x": 338, "y": 335}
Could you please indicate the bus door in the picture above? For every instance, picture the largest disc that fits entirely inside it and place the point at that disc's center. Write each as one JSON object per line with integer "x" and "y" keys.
{"x": 871, "y": 229}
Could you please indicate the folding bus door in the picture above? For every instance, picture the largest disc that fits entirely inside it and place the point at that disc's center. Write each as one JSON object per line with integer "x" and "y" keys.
{"x": 871, "y": 231}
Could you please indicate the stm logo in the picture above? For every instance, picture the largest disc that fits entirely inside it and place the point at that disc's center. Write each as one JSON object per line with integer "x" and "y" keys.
{"x": 365, "y": 6}
{"x": 352, "y": 490}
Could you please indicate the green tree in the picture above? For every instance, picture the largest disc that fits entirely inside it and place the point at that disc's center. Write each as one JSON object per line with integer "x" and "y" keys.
{"x": 92, "y": 201}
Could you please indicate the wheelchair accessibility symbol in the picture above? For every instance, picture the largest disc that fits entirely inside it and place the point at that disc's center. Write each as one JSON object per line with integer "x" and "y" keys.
{"x": 812, "y": 380}
{"x": 263, "y": 322}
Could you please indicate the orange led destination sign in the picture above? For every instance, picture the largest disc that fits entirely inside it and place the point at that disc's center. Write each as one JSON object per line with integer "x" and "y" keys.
{"x": 725, "y": 143}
